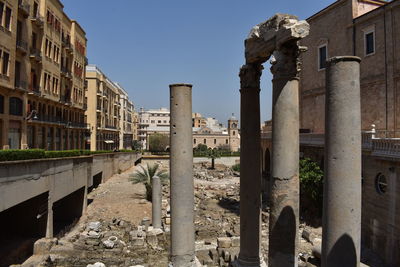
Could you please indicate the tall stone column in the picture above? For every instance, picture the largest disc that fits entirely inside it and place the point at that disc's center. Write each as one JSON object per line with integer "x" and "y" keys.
{"x": 250, "y": 172}
{"x": 181, "y": 168}
{"x": 156, "y": 199}
{"x": 284, "y": 212}
{"x": 342, "y": 184}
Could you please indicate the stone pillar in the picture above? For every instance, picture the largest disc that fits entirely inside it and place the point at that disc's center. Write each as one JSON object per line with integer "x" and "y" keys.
{"x": 250, "y": 172}
{"x": 49, "y": 224}
{"x": 284, "y": 212}
{"x": 156, "y": 199}
{"x": 342, "y": 184}
{"x": 181, "y": 168}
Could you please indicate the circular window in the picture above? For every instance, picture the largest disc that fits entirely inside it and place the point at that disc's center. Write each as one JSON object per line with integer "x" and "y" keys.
{"x": 381, "y": 183}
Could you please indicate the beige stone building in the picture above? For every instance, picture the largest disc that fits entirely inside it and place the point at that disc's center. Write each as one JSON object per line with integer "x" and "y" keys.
{"x": 104, "y": 110}
{"x": 368, "y": 29}
{"x": 42, "y": 85}
{"x": 127, "y": 123}
{"x": 212, "y": 134}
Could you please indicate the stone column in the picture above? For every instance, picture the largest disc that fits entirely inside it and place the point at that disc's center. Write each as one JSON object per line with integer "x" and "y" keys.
{"x": 342, "y": 184}
{"x": 181, "y": 168}
{"x": 250, "y": 172}
{"x": 156, "y": 199}
{"x": 284, "y": 212}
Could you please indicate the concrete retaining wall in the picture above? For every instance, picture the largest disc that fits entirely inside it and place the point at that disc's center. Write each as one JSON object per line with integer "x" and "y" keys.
{"x": 23, "y": 180}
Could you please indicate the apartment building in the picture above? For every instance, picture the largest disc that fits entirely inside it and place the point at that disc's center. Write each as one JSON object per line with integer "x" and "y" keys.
{"x": 127, "y": 123}
{"x": 152, "y": 121}
{"x": 42, "y": 85}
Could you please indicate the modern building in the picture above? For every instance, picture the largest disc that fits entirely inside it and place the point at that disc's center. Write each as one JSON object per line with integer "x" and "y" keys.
{"x": 42, "y": 81}
{"x": 369, "y": 29}
{"x": 152, "y": 121}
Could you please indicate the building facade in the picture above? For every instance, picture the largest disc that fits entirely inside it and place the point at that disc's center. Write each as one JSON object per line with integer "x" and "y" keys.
{"x": 104, "y": 110}
{"x": 152, "y": 121}
{"x": 127, "y": 123}
{"x": 42, "y": 84}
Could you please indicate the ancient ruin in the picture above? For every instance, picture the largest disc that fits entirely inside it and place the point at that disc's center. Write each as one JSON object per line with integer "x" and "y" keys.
{"x": 341, "y": 239}
{"x": 277, "y": 38}
{"x": 181, "y": 170}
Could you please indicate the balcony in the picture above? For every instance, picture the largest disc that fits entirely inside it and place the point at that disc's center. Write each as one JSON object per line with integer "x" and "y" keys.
{"x": 86, "y": 61}
{"x": 21, "y": 85}
{"x": 34, "y": 90}
{"x": 84, "y": 106}
{"x": 66, "y": 72}
{"x": 80, "y": 125}
{"x": 22, "y": 46}
{"x": 67, "y": 44}
{"x": 23, "y": 8}
{"x": 36, "y": 55}
{"x": 65, "y": 99}
{"x": 38, "y": 20}
{"x": 50, "y": 119}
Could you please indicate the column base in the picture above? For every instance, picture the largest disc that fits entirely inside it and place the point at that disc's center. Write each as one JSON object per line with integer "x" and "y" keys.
{"x": 242, "y": 263}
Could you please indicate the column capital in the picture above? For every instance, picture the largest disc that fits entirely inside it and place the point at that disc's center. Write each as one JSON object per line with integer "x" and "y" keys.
{"x": 250, "y": 76}
{"x": 285, "y": 61}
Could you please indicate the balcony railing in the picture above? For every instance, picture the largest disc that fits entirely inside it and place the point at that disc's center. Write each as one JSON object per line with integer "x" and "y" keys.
{"x": 38, "y": 20}
{"x": 66, "y": 99}
{"x": 67, "y": 44}
{"x": 50, "y": 119}
{"x": 66, "y": 72}
{"x": 22, "y": 46}
{"x": 380, "y": 143}
{"x": 34, "y": 90}
{"x": 111, "y": 127}
{"x": 35, "y": 54}
{"x": 78, "y": 125}
{"x": 21, "y": 85}
{"x": 24, "y": 8}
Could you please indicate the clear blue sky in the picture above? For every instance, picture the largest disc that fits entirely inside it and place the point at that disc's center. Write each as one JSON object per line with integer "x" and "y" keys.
{"x": 145, "y": 45}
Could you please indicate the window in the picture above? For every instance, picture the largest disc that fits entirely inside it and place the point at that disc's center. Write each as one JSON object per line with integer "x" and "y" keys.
{"x": 226, "y": 141}
{"x": 6, "y": 58}
{"x": 194, "y": 141}
{"x": 15, "y": 106}
{"x": 1, "y": 104}
{"x": 322, "y": 56}
{"x": 381, "y": 183}
{"x": 7, "y": 23}
{"x": 233, "y": 132}
{"x": 215, "y": 141}
{"x": 159, "y": 121}
{"x": 369, "y": 41}
{"x": 1, "y": 12}
{"x": 205, "y": 141}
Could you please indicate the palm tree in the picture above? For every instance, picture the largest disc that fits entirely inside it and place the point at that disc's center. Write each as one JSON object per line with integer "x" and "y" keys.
{"x": 145, "y": 175}
{"x": 213, "y": 154}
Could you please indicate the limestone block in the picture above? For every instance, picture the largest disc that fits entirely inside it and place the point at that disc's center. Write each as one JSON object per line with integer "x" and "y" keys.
{"x": 95, "y": 226}
{"x": 224, "y": 242}
{"x": 235, "y": 241}
{"x": 43, "y": 245}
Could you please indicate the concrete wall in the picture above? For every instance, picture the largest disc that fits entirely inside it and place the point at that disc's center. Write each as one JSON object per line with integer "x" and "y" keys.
{"x": 22, "y": 180}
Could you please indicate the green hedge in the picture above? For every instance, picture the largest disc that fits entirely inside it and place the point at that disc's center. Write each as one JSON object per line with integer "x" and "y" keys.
{"x": 205, "y": 154}
{"x": 17, "y": 154}
{"x": 25, "y": 154}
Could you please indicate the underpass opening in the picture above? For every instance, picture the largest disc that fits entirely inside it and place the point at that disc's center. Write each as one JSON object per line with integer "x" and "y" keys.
{"x": 20, "y": 227}
{"x": 67, "y": 211}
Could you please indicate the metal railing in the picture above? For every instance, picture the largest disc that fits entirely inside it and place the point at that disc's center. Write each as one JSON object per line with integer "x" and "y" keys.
{"x": 24, "y": 8}
{"x": 36, "y": 54}
{"x": 38, "y": 20}
{"x": 34, "y": 89}
{"x": 22, "y": 45}
{"x": 21, "y": 84}
{"x": 66, "y": 72}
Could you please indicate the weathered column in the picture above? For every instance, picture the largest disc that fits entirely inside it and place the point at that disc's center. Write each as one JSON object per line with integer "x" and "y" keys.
{"x": 250, "y": 172}
{"x": 342, "y": 184}
{"x": 156, "y": 199}
{"x": 284, "y": 212}
{"x": 181, "y": 168}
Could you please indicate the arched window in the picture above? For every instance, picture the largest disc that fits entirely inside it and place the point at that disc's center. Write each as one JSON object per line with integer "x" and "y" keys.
{"x": 215, "y": 141}
{"x": 205, "y": 141}
{"x": 233, "y": 132}
{"x": 381, "y": 183}
{"x": 194, "y": 141}
{"x": 15, "y": 106}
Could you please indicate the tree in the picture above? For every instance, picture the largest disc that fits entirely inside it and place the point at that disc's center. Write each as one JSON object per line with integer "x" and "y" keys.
{"x": 213, "y": 154}
{"x": 145, "y": 175}
{"x": 158, "y": 142}
{"x": 136, "y": 145}
{"x": 201, "y": 147}
{"x": 311, "y": 184}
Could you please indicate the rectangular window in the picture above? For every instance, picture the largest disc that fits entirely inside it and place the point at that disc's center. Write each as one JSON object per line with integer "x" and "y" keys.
{"x": 369, "y": 43}
{"x": 194, "y": 141}
{"x": 322, "y": 56}
{"x": 6, "y": 58}
{"x": 7, "y": 23}
{"x": 1, "y": 13}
